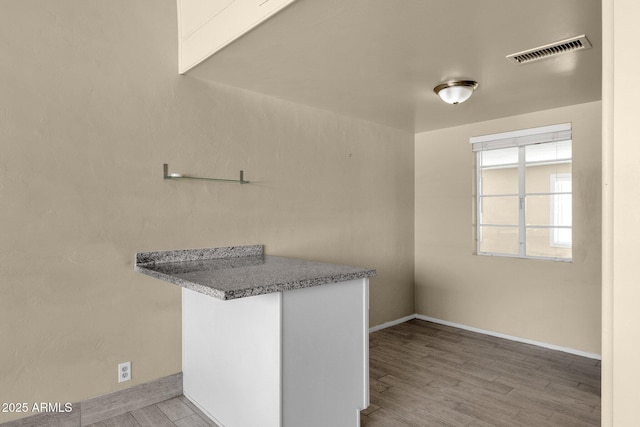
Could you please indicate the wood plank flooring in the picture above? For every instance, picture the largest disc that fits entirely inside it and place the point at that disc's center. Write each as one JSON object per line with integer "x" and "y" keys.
{"x": 176, "y": 412}
{"x": 426, "y": 374}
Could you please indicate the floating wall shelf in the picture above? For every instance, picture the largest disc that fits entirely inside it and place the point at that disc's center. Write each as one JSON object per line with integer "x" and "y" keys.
{"x": 167, "y": 175}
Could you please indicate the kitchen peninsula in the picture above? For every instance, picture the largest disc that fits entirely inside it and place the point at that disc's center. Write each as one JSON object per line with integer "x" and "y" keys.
{"x": 268, "y": 340}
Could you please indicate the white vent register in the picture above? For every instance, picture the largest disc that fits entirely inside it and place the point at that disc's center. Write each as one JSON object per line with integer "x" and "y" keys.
{"x": 549, "y": 50}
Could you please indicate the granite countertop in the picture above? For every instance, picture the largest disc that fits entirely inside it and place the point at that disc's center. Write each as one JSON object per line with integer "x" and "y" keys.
{"x": 241, "y": 271}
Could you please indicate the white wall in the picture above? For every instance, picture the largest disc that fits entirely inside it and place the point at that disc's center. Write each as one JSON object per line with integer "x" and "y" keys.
{"x": 621, "y": 173}
{"x": 552, "y": 302}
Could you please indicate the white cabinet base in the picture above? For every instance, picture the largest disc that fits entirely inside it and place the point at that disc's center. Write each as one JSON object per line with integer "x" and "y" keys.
{"x": 291, "y": 359}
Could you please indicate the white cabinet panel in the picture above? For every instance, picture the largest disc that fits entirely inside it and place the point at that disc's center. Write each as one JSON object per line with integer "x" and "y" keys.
{"x": 231, "y": 357}
{"x": 325, "y": 355}
{"x": 290, "y": 359}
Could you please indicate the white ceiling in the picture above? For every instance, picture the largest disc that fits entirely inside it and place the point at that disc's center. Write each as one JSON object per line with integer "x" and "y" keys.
{"x": 379, "y": 60}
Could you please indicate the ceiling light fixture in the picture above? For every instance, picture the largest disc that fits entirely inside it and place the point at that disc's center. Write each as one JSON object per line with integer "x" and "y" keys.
{"x": 457, "y": 91}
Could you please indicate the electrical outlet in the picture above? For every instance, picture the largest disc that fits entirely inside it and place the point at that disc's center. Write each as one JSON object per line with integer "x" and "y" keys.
{"x": 124, "y": 371}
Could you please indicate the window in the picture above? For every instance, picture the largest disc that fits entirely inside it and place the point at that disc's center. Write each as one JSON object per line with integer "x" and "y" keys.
{"x": 523, "y": 195}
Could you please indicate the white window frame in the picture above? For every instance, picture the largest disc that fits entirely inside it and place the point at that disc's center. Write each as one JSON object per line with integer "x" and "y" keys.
{"x": 520, "y": 139}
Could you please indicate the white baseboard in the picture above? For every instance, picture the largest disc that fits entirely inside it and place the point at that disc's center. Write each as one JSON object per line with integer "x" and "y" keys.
{"x": 486, "y": 332}
{"x": 392, "y": 323}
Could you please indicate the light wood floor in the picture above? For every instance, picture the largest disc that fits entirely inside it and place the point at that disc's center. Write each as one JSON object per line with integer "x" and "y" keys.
{"x": 176, "y": 412}
{"x": 425, "y": 374}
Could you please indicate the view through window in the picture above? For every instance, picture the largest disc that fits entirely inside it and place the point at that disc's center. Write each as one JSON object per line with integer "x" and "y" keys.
{"x": 524, "y": 193}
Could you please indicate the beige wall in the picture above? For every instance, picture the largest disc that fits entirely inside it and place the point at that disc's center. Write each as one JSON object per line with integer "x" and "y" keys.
{"x": 91, "y": 106}
{"x": 552, "y": 302}
{"x": 621, "y": 234}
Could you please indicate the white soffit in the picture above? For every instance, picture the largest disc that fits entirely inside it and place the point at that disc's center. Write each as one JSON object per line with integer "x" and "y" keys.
{"x": 206, "y": 26}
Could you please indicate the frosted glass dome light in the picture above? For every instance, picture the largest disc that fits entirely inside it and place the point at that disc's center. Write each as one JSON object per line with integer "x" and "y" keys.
{"x": 455, "y": 92}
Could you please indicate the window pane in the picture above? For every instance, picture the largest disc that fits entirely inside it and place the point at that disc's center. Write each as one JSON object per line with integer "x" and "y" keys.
{"x": 561, "y": 210}
{"x": 499, "y": 180}
{"x": 560, "y": 183}
{"x": 553, "y": 210}
{"x": 548, "y": 152}
{"x": 538, "y": 210}
{"x": 501, "y": 210}
{"x": 561, "y": 237}
{"x": 498, "y": 158}
{"x": 499, "y": 240}
{"x": 538, "y": 177}
{"x": 540, "y": 242}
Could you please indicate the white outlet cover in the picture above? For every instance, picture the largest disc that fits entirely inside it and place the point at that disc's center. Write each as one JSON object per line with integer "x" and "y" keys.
{"x": 124, "y": 371}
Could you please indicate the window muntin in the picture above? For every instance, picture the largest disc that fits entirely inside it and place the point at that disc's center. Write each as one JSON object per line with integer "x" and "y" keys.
{"x": 524, "y": 193}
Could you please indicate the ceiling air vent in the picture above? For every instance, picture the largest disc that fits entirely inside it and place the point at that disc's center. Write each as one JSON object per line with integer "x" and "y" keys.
{"x": 553, "y": 49}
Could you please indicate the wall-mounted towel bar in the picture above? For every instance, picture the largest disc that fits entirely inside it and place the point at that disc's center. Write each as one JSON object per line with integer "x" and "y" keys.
{"x": 167, "y": 175}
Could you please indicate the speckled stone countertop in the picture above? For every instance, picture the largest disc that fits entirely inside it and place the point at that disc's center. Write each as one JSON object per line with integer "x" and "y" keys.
{"x": 241, "y": 271}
